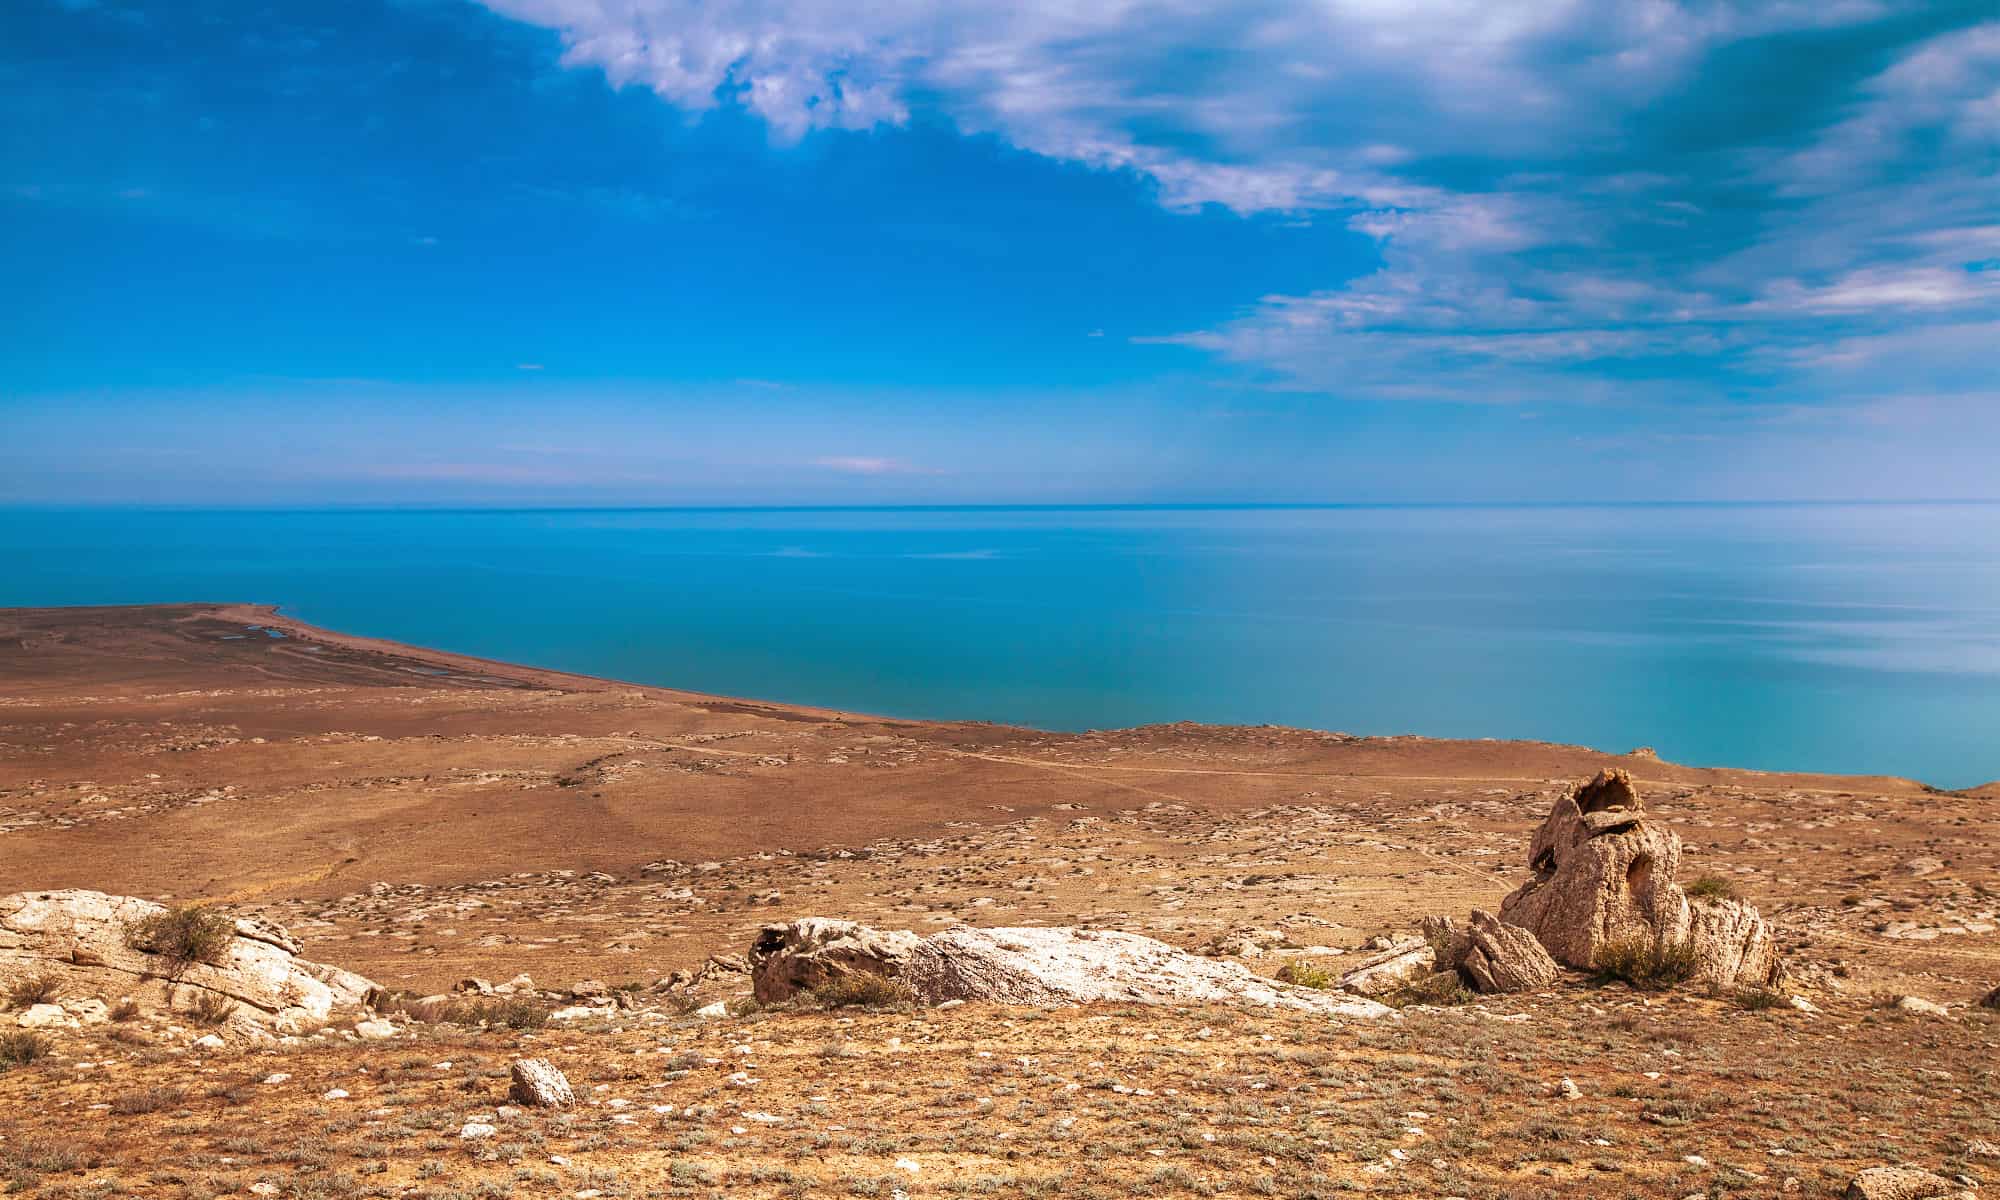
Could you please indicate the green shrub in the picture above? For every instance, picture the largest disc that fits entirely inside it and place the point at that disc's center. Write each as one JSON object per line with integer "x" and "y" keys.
{"x": 1646, "y": 963}
{"x": 1712, "y": 887}
{"x": 33, "y": 989}
{"x": 190, "y": 934}
{"x": 861, "y": 989}
{"x": 1305, "y": 973}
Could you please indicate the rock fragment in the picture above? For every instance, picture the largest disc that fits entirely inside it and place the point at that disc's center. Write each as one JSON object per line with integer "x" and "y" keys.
{"x": 1899, "y": 1183}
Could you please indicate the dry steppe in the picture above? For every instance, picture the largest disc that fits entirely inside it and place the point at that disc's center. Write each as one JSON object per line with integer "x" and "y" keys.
{"x": 422, "y": 818}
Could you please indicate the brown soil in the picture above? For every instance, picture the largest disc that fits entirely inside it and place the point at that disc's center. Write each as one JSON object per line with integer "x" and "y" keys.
{"x": 421, "y": 817}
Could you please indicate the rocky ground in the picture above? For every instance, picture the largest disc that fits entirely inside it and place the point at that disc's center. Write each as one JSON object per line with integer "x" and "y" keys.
{"x": 424, "y": 819}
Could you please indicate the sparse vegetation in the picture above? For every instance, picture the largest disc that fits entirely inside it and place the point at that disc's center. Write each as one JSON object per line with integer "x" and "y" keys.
{"x": 152, "y": 1099}
{"x": 33, "y": 989}
{"x": 1306, "y": 973}
{"x": 1757, "y": 999}
{"x": 19, "y": 1047}
{"x": 1646, "y": 964}
{"x": 210, "y": 1008}
{"x": 513, "y": 1012}
{"x": 1444, "y": 988}
{"x": 860, "y": 989}
{"x": 183, "y": 936}
{"x": 1712, "y": 887}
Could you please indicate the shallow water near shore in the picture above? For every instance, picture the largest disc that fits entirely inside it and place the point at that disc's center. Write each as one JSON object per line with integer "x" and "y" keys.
{"x": 1855, "y": 639}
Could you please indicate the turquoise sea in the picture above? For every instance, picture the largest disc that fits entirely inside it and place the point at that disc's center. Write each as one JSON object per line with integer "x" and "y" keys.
{"x": 1858, "y": 638}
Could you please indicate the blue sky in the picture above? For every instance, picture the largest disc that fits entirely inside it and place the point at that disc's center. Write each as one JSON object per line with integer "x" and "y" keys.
{"x": 659, "y": 251}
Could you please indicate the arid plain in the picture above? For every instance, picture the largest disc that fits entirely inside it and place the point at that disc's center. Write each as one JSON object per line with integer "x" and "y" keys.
{"x": 423, "y": 819}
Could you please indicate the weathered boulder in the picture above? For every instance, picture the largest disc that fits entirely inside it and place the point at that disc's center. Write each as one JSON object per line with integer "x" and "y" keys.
{"x": 1732, "y": 945}
{"x": 1606, "y": 874}
{"x": 538, "y": 1084}
{"x": 1603, "y": 874}
{"x": 83, "y": 938}
{"x": 1500, "y": 957}
{"x": 1899, "y": 1183}
{"x": 1385, "y": 971}
{"x": 1043, "y": 967}
{"x": 814, "y": 951}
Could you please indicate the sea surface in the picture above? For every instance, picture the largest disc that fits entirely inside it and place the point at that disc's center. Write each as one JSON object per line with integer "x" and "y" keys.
{"x": 1859, "y": 639}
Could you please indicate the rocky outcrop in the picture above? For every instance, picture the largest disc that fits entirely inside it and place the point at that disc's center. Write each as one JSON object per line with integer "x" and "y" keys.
{"x": 1603, "y": 874}
{"x": 84, "y": 940}
{"x": 538, "y": 1084}
{"x": 1607, "y": 874}
{"x": 1499, "y": 957}
{"x": 1042, "y": 967}
{"x": 814, "y": 951}
{"x": 1387, "y": 971}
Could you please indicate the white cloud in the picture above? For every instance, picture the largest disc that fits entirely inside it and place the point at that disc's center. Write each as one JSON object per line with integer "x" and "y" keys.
{"x": 1548, "y": 184}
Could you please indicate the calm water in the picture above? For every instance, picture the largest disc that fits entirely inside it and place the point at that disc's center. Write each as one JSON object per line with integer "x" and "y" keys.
{"x": 1854, "y": 639}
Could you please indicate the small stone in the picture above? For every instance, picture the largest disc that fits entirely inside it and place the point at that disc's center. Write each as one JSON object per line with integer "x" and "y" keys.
{"x": 1922, "y": 1007}
{"x": 375, "y": 1030}
{"x": 276, "y": 1077}
{"x": 209, "y": 1041}
{"x": 334, "y": 1094}
{"x": 1568, "y": 1090}
{"x": 476, "y": 1131}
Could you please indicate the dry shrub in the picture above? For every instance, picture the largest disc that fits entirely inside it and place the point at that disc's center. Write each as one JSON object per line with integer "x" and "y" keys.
{"x": 153, "y": 1099}
{"x": 1646, "y": 963}
{"x": 19, "y": 1047}
{"x": 125, "y": 1010}
{"x": 33, "y": 989}
{"x": 1442, "y": 989}
{"x": 861, "y": 989}
{"x": 210, "y": 1008}
{"x": 1757, "y": 999}
{"x": 190, "y": 934}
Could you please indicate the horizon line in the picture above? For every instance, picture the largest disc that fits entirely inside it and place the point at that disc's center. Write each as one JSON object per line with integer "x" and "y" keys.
{"x": 989, "y": 506}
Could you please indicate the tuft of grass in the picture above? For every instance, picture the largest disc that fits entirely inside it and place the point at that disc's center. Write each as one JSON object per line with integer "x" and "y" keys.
{"x": 210, "y": 1008}
{"x": 1305, "y": 973}
{"x": 20, "y": 1047}
{"x": 182, "y": 936}
{"x": 858, "y": 989}
{"x": 1712, "y": 887}
{"x": 125, "y": 1010}
{"x": 33, "y": 989}
{"x": 1757, "y": 999}
{"x": 1646, "y": 964}
{"x": 131, "y": 1104}
{"x": 1443, "y": 989}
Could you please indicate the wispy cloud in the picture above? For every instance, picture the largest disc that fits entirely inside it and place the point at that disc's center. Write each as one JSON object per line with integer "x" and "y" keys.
{"x": 1561, "y": 195}
{"x": 867, "y": 465}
